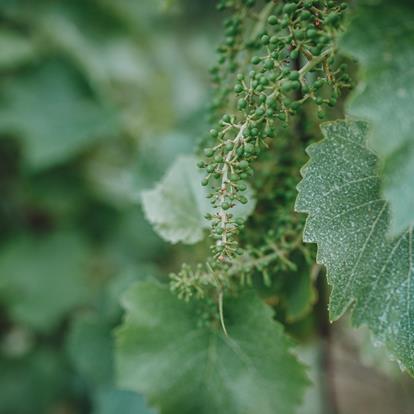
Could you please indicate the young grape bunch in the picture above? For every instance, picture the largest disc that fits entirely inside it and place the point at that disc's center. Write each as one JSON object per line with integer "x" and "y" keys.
{"x": 276, "y": 57}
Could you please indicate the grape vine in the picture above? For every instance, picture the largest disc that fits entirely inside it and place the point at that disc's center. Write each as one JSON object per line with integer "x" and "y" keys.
{"x": 276, "y": 60}
{"x": 270, "y": 64}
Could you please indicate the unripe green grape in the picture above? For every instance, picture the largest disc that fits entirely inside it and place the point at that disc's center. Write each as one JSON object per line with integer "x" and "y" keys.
{"x": 243, "y": 164}
{"x": 284, "y": 23}
{"x": 286, "y": 86}
{"x": 209, "y": 152}
{"x": 218, "y": 158}
{"x": 260, "y": 112}
{"x": 265, "y": 39}
{"x": 269, "y": 64}
{"x": 294, "y": 75}
{"x": 242, "y": 103}
{"x": 238, "y": 88}
{"x": 274, "y": 40}
{"x": 211, "y": 168}
{"x": 272, "y": 20}
{"x": 305, "y": 15}
{"x": 289, "y": 8}
{"x": 239, "y": 221}
{"x": 294, "y": 54}
{"x": 248, "y": 148}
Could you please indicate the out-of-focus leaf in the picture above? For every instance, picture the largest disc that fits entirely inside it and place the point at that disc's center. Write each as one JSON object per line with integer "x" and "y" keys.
{"x": 381, "y": 37}
{"x": 15, "y": 49}
{"x": 33, "y": 384}
{"x": 134, "y": 240}
{"x": 184, "y": 366}
{"x": 158, "y": 154}
{"x": 113, "y": 401}
{"x": 120, "y": 284}
{"x": 43, "y": 278}
{"x": 50, "y": 111}
{"x": 177, "y": 205}
{"x": 90, "y": 347}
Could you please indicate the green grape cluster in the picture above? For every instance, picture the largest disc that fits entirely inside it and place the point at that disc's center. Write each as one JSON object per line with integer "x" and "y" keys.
{"x": 272, "y": 62}
{"x": 272, "y": 237}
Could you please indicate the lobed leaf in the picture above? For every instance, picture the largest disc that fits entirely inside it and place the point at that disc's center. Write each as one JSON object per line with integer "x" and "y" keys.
{"x": 349, "y": 220}
{"x": 176, "y": 206}
{"x": 184, "y": 366}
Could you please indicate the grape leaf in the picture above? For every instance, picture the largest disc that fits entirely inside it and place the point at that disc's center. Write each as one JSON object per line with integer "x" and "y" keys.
{"x": 184, "y": 366}
{"x": 55, "y": 118}
{"x": 381, "y": 37}
{"x": 176, "y": 206}
{"x": 43, "y": 278}
{"x": 349, "y": 220}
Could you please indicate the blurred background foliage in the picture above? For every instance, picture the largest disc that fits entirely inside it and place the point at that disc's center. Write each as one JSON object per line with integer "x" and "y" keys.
{"x": 97, "y": 98}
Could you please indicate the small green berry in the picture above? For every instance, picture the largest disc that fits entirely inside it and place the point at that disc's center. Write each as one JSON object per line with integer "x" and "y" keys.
{"x": 209, "y": 152}
{"x": 294, "y": 75}
{"x": 272, "y": 20}
{"x": 243, "y": 164}
{"x": 238, "y": 88}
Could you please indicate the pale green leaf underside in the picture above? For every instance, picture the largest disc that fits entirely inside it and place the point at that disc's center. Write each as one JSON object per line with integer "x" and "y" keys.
{"x": 349, "y": 221}
{"x": 381, "y": 37}
{"x": 185, "y": 367}
{"x": 176, "y": 206}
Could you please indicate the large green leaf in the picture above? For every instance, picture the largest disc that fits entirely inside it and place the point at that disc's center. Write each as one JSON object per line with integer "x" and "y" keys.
{"x": 183, "y": 365}
{"x": 53, "y": 115}
{"x": 176, "y": 206}
{"x": 349, "y": 221}
{"x": 381, "y": 37}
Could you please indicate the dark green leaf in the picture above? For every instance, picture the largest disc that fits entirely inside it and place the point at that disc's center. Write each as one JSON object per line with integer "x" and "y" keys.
{"x": 183, "y": 365}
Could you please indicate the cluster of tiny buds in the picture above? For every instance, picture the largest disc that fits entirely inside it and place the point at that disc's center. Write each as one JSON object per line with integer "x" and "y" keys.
{"x": 292, "y": 61}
